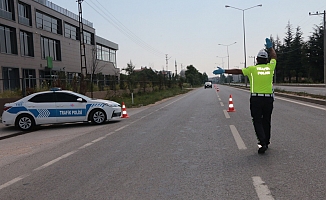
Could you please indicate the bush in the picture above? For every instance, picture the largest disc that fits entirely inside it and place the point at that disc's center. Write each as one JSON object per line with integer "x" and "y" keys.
{"x": 11, "y": 94}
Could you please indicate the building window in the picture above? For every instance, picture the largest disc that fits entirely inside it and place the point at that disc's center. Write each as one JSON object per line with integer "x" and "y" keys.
{"x": 105, "y": 53}
{"x": 88, "y": 38}
{"x": 24, "y": 12}
{"x": 8, "y": 40}
{"x": 26, "y": 44}
{"x": 113, "y": 56}
{"x": 50, "y": 47}
{"x": 99, "y": 52}
{"x": 71, "y": 31}
{"x": 29, "y": 76}
{"x": 48, "y": 23}
{"x": 10, "y": 78}
{"x": 7, "y": 9}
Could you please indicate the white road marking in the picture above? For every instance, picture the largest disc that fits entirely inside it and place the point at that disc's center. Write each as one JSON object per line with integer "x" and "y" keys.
{"x": 221, "y": 103}
{"x": 226, "y": 114}
{"x": 261, "y": 189}
{"x": 237, "y": 138}
{"x": 86, "y": 145}
{"x": 119, "y": 129}
{"x": 318, "y": 107}
{"x": 98, "y": 139}
{"x": 55, "y": 160}
{"x": 13, "y": 181}
{"x": 109, "y": 134}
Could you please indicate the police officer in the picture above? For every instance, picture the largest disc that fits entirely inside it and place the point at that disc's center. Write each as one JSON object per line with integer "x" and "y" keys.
{"x": 262, "y": 97}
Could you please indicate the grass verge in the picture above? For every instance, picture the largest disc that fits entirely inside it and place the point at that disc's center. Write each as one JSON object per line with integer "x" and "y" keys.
{"x": 143, "y": 99}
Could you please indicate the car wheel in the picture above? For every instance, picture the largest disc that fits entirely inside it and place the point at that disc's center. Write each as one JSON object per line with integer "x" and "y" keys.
{"x": 98, "y": 117}
{"x": 25, "y": 122}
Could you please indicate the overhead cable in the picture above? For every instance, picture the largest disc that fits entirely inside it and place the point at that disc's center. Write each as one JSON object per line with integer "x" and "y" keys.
{"x": 123, "y": 29}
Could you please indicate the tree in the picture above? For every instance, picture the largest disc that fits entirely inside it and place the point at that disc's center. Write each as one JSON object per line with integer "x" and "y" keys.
{"x": 315, "y": 55}
{"x": 297, "y": 55}
{"x": 287, "y": 47}
{"x": 95, "y": 68}
{"x": 146, "y": 77}
{"x": 278, "y": 71}
{"x": 130, "y": 70}
{"x": 193, "y": 76}
{"x": 205, "y": 77}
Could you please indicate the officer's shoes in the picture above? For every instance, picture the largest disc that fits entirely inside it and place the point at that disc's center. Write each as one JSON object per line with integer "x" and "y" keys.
{"x": 262, "y": 149}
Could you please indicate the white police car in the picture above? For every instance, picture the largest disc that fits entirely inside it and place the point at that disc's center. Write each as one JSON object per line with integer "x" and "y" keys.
{"x": 58, "y": 106}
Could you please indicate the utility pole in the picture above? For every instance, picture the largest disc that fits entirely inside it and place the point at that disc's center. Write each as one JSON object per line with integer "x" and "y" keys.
{"x": 176, "y": 68}
{"x": 83, "y": 67}
{"x": 323, "y": 13}
{"x": 167, "y": 63}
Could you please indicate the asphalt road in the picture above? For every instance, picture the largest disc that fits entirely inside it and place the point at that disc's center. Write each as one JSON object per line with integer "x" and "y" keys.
{"x": 186, "y": 147}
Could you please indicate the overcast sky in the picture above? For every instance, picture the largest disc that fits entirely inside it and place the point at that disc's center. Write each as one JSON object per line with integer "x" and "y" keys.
{"x": 190, "y": 31}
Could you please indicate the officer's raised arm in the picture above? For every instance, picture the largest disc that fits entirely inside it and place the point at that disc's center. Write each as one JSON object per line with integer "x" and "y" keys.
{"x": 270, "y": 48}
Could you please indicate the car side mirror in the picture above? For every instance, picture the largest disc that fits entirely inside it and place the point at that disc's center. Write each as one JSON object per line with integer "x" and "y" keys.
{"x": 80, "y": 100}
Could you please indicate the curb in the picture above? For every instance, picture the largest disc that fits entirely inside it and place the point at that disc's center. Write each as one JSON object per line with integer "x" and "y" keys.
{"x": 306, "y": 99}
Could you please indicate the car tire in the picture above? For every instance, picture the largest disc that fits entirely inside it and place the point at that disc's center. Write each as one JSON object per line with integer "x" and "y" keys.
{"x": 25, "y": 122}
{"x": 98, "y": 116}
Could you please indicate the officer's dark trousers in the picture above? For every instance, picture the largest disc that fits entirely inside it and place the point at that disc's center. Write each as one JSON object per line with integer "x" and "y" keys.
{"x": 261, "y": 112}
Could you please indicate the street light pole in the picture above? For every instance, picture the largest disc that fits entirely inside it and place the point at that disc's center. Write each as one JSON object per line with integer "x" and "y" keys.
{"x": 254, "y": 57}
{"x": 222, "y": 60}
{"x": 227, "y": 50}
{"x": 244, "y": 32}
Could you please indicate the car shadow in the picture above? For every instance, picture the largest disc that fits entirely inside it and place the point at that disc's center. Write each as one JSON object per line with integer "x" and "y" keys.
{"x": 17, "y": 132}
{"x": 13, "y": 132}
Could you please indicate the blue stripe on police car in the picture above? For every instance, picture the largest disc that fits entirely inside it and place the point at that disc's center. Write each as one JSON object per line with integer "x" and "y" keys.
{"x": 15, "y": 110}
{"x": 88, "y": 106}
{"x": 43, "y": 113}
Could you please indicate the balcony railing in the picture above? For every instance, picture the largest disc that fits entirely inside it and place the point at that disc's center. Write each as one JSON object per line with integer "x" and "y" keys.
{"x": 24, "y": 20}
{"x": 6, "y": 14}
{"x": 63, "y": 11}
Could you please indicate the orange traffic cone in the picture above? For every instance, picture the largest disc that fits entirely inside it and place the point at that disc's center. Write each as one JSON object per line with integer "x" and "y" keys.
{"x": 231, "y": 107}
{"x": 124, "y": 111}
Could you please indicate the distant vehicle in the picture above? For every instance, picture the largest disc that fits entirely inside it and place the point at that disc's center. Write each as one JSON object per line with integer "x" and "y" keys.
{"x": 58, "y": 106}
{"x": 208, "y": 85}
